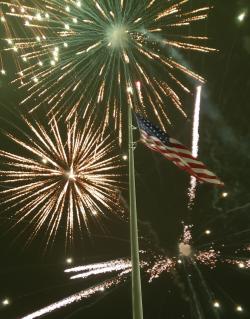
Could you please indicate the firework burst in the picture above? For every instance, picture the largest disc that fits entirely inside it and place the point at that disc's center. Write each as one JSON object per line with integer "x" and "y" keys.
{"x": 189, "y": 260}
{"x": 60, "y": 177}
{"x": 108, "y": 54}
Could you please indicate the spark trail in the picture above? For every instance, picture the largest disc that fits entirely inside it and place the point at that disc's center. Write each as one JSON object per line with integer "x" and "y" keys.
{"x": 195, "y": 144}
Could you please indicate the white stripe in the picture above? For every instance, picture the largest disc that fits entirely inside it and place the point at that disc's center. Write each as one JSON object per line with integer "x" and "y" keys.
{"x": 174, "y": 141}
{"x": 177, "y": 158}
{"x": 203, "y": 171}
{"x": 177, "y": 150}
{"x": 213, "y": 181}
{"x": 148, "y": 140}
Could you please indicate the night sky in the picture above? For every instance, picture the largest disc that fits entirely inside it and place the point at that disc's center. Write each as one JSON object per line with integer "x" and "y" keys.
{"x": 31, "y": 278}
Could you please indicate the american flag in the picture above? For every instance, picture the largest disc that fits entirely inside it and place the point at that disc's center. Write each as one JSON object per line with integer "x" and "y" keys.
{"x": 159, "y": 141}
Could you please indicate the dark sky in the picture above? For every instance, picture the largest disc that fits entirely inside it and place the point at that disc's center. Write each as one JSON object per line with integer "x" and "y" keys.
{"x": 32, "y": 279}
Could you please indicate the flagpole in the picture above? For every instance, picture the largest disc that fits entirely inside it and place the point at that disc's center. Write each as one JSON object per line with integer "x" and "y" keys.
{"x": 134, "y": 242}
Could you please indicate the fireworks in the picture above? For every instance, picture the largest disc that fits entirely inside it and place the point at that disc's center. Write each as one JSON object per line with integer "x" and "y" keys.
{"x": 195, "y": 144}
{"x": 188, "y": 259}
{"x": 105, "y": 54}
{"x": 118, "y": 265}
{"x": 84, "y": 294}
{"x": 64, "y": 177}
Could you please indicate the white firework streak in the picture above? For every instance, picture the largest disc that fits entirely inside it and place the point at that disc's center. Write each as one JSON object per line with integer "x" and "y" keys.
{"x": 122, "y": 267}
{"x": 84, "y": 294}
{"x": 116, "y": 265}
{"x": 195, "y": 143}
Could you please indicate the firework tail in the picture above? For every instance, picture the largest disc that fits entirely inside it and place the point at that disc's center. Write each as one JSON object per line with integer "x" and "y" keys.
{"x": 195, "y": 144}
{"x": 136, "y": 276}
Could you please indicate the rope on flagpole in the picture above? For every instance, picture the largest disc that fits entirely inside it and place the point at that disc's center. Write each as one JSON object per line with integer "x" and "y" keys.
{"x": 134, "y": 242}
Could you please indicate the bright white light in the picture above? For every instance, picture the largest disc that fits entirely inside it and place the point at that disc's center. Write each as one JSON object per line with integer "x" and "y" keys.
{"x": 208, "y": 232}
{"x": 241, "y": 265}
{"x": 6, "y": 302}
{"x": 3, "y": 19}
{"x": 224, "y": 194}
{"x": 3, "y": 72}
{"x": 196, "y": 124}
{"x": 130, "y": 89}
{"x": 239, "y": 309}
{"x": 71, "y": 174}
{"x": 185, "y": 249}
{"x": 124, "y": 157}
{"x": 195, "y": 143}
{"x": 94, "y": 213}
{"x": 216, "y": 304}
{"x": 241, "y": 17}
{"x": 38, "y": 16}
{"x": 117, "y": 36}
{"x": 44, "y": 160}
{"x": 69, "y": 261}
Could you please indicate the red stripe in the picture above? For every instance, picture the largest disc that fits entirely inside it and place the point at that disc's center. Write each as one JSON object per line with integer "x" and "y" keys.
{"x": 198, "y": 163}
{"x": 188, "y": 167}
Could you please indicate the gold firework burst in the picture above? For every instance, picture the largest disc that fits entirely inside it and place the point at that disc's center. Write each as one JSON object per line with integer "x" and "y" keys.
{"x": 62, "y": 176}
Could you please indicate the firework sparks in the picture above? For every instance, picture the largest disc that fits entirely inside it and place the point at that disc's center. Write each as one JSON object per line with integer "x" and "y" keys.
{"x": 84, "y": 52}
{"x": 84, "y": 294}
{"x": 195, "y": 144}
{"x": 63, "y": 178}
{"x": 154, "y": 265}
{"x": 118, "y": 265}
{"x": 206, "y": 257}
{"x": 241, "y": 263}
{"x": 162, "y": 264}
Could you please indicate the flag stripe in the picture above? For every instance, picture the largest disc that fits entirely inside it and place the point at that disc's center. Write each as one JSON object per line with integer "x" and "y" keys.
{"x": 157, "y": 140}
{"x": 174, "y": 156}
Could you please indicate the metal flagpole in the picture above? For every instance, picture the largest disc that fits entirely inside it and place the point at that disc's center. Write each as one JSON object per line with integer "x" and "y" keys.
{"x": 136, "y": 276}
